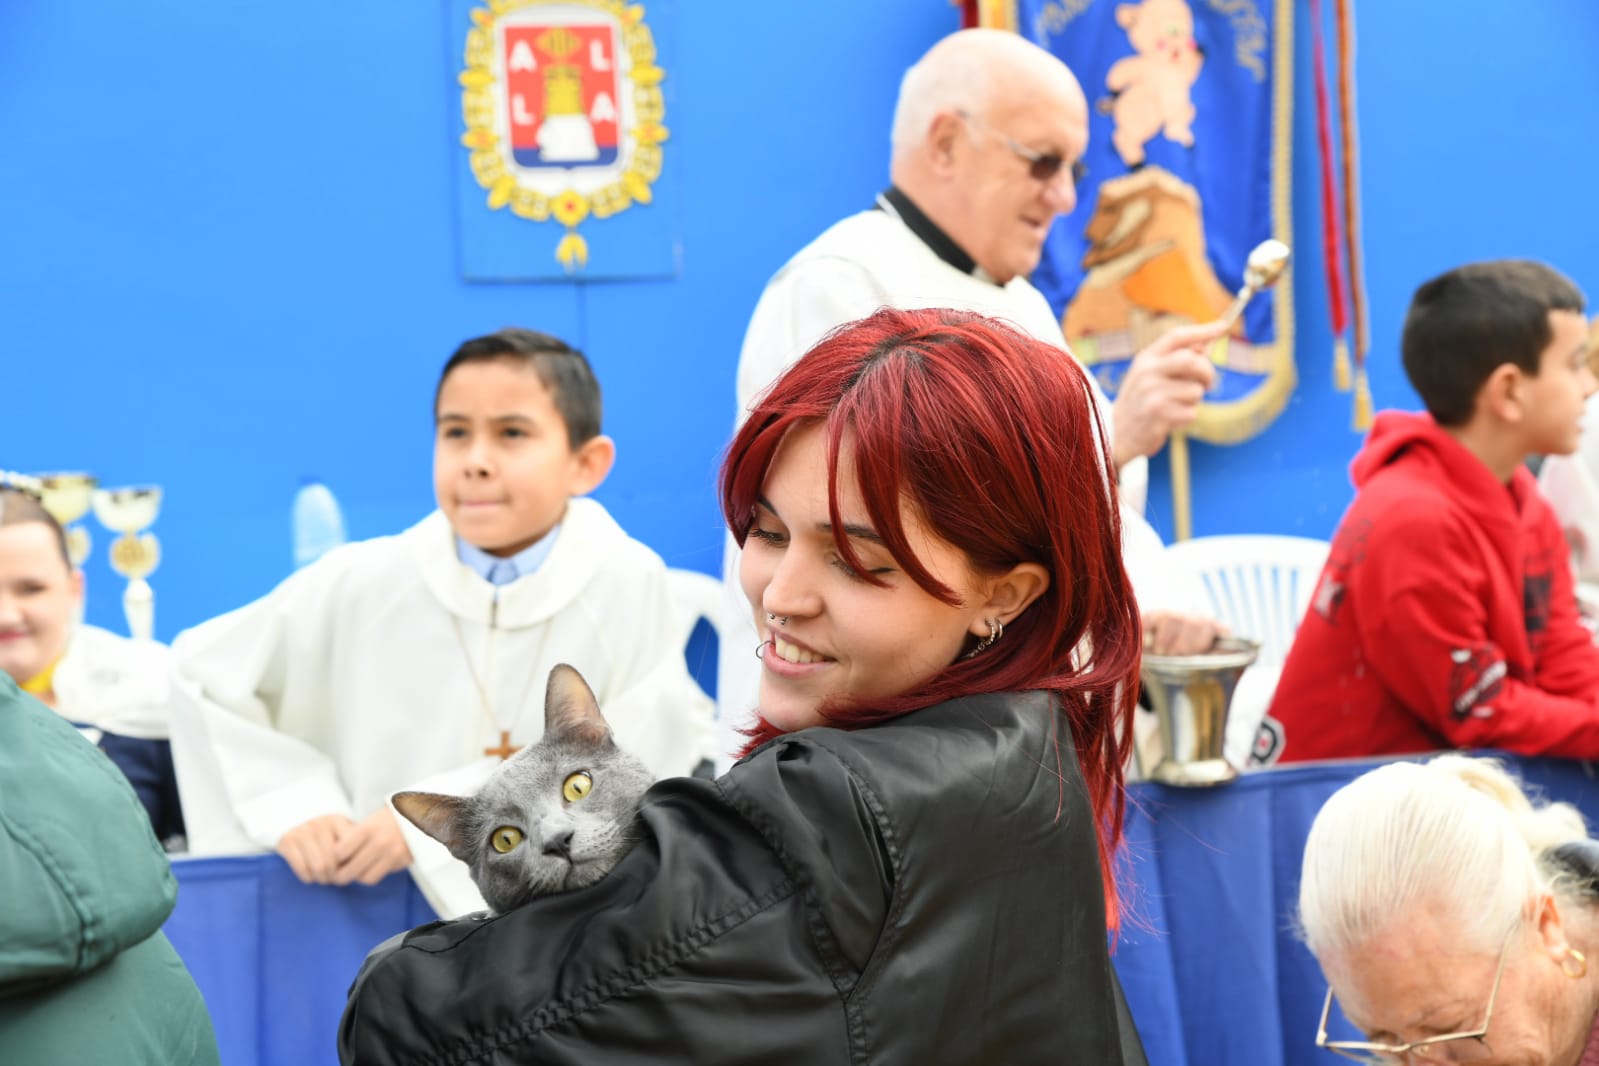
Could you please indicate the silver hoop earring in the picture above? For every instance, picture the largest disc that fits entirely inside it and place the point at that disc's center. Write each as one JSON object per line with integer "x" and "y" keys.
{"x": 996, "y": 629}
{"x": 770, "y": 617}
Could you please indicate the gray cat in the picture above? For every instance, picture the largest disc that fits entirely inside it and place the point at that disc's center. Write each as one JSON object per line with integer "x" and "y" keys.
{"x": 557, "y": 815}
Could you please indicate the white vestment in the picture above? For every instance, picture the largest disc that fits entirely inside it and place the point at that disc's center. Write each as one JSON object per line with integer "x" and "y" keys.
{"x": 367, "y": 673}
{"x": 1571, "y": 484}
{"x": 871, "y": 260}
{"x": 106, "y": 683}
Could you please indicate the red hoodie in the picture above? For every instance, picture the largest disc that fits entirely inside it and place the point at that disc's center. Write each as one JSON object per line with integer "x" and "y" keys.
{"x": 1444, "y": 617}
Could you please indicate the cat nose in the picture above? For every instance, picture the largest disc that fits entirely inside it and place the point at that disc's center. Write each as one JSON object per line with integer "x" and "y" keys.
{"x": 555, "y": 834}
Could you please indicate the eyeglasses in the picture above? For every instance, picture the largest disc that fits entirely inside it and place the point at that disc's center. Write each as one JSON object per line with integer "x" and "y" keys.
{"x": 1473, "y": 1046}
{"x": 1041, "y": 166}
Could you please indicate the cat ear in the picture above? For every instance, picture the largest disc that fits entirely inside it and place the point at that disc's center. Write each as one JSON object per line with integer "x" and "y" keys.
{"x": 570, "y": 708}
{"x": 440, "y": 817}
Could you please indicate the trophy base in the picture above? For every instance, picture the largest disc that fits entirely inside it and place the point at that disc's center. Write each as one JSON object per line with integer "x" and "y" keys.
{"x": 1203, "y": 773}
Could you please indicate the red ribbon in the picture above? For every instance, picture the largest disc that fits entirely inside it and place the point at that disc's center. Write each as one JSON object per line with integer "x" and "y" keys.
{"x": 1350, "y": 149}
{"x": 1331, "y": 238}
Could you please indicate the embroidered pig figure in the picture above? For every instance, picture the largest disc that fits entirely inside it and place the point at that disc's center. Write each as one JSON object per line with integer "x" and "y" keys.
{"x": 1151, "y": 89}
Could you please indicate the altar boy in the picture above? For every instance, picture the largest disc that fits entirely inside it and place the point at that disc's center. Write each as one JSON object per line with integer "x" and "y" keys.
{"x": 419, "y": 661}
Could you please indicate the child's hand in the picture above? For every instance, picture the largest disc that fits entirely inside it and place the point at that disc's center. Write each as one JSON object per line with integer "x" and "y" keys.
{"x": 309, "y": 848}
{"x": 371, "y": 849}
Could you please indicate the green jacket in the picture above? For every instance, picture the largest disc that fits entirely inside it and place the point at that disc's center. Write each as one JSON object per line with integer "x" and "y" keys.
{"x": 86, "y": 976}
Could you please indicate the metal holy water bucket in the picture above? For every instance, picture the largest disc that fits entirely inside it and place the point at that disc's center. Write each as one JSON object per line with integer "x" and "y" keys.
{"x": 1191, "y": 695}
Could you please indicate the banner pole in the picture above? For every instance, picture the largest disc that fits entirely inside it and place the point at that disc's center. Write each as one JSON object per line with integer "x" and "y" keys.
{"x": 1182, "y": 514}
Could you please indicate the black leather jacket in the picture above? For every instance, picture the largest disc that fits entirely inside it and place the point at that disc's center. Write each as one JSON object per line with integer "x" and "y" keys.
{"x": 924, "y": 891}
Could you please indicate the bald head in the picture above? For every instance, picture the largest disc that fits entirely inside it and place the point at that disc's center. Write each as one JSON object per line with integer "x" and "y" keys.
{"x": 973, "y": 70}
{"x": 985, "y": 132}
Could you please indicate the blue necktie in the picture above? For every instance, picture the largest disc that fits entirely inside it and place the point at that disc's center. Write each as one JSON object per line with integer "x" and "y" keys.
{"x": 502, "y": 573}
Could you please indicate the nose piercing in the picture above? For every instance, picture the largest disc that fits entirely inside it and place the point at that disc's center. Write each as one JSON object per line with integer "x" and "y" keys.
{"x": 783, "y": 621}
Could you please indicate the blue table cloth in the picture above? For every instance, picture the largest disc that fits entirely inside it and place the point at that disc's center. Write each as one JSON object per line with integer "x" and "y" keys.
{"x": 1208, "y": 955}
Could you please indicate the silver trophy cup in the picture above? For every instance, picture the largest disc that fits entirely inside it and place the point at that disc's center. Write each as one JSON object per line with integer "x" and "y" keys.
{"x": 1191, "y": 695}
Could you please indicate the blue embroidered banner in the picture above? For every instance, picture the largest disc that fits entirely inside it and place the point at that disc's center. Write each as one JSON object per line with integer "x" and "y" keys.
{"x": 562, "y": 171}
{"x": 1188, "y": 170}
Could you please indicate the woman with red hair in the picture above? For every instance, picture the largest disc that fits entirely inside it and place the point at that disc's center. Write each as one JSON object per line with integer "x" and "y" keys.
{"x": 914, "y": 859}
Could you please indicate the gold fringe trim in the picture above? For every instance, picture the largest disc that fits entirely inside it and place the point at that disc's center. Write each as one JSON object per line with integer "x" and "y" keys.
{"x": 1341, "y": 373}
{"x": 1362, "y": 400}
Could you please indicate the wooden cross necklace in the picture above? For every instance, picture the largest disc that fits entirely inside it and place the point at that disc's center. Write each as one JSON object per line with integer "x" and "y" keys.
{"x": 505, "y": 749}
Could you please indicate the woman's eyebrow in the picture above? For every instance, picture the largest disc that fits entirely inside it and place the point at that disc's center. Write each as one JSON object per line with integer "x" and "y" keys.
{"x": 853, "y": 531}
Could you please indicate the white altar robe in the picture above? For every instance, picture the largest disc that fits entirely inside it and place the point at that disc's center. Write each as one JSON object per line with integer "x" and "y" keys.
{"x": 359, "y": 676}
{"x": 107, "y": 683}
{"x": 1571, "y": 485}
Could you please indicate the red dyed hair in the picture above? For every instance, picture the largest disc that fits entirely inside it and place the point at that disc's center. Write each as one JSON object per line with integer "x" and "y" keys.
{"x": 995, "y": 440}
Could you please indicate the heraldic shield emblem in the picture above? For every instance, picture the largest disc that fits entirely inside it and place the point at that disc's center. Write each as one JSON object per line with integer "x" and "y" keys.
{"x": 564, "y": 113}
{"x": 1188, "y": 170}
{"x": 560, "y": 94}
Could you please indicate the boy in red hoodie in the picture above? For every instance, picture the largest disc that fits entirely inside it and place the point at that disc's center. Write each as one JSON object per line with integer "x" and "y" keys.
{"x": 1445, "y": 616}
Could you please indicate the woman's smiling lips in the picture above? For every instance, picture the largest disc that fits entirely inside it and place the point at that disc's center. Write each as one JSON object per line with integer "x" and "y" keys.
{"x": 787, "y": 657}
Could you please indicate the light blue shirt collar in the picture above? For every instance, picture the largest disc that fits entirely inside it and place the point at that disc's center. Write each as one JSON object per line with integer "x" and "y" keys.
{"x": 498, "y": 571}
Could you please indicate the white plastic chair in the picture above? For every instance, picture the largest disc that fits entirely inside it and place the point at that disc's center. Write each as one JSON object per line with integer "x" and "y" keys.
{"x": 1260, "y": 586}
{"x": 694, "y": 596}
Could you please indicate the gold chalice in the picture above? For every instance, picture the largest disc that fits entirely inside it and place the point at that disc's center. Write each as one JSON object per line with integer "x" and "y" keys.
{"x": 135, "y": 554}
{"x": 66, "y": 497}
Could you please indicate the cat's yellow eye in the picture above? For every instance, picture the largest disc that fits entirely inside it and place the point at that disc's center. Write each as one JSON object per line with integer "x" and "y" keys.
{"x": 577, "y": 785}
{"x": 505, "y": 838}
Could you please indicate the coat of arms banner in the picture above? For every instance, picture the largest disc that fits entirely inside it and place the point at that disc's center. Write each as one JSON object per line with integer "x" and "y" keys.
{"x": 562, "y": 170}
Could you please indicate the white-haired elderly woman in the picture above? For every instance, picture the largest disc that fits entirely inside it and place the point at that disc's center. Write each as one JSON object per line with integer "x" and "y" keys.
{"x": 1453, "y": 919}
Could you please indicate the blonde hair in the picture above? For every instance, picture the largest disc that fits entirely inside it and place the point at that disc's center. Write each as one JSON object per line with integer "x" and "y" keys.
{"x": 1456, "y": 832}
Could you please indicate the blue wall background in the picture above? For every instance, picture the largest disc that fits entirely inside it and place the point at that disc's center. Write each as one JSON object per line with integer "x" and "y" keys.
{"x": 227, "y": 250}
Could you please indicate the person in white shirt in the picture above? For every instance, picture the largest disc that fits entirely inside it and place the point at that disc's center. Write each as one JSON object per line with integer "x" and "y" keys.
{"x": 419, "y": 661}
{"x": 115, "y": 689}
{"x": 987, "y": 133}
{"x": 1571, "y": 485}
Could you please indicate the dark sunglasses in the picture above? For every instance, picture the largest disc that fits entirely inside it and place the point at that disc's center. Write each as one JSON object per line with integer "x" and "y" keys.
{"x": 1041, "y": 166}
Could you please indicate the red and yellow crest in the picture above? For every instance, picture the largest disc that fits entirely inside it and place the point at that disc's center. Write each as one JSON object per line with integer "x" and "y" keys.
{"x": 564, "y": 112}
